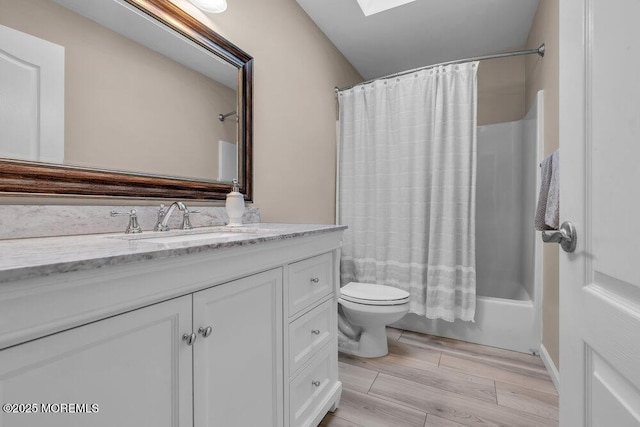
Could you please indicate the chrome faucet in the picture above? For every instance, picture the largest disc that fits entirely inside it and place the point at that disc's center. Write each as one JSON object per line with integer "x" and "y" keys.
{"x": 163, "y": 216}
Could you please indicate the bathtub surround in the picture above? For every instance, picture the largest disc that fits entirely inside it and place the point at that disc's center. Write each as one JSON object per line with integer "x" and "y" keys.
{"x": 25, "y": 221}
{"x": 509, "y": 253}
{"x": 407, "y": 167}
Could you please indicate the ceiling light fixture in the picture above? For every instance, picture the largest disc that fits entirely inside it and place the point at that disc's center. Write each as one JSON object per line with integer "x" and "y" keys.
{"x": 213, "y": 6}
{"x": 370, "y": 7}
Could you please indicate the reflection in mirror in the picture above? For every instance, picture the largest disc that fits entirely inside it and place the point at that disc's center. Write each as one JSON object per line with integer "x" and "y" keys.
{"x": 102, "y": 85}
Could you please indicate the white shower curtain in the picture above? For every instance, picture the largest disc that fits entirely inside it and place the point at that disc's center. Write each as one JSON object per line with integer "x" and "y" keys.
{"x": 407, "y": 177}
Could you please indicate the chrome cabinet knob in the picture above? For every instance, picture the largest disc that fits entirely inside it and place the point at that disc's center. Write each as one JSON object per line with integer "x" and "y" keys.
{"x": 316, "y": 383}
{"x": 315, "y": 280}
{"x": 315, "y": 331}
{"x": 189, "y": 338}
{"x": 205, "y": 332}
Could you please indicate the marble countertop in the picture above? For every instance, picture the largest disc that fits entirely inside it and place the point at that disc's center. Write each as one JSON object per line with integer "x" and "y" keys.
{"x": 27, "y": 258}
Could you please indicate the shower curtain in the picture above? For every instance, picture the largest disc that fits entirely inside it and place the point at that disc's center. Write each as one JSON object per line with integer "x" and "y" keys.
{"x": 406, "y": 189}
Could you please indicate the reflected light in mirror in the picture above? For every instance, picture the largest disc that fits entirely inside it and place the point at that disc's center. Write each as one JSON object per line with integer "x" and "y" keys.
{"x": 194, "y": 11}
{"x": 213, "y": 6}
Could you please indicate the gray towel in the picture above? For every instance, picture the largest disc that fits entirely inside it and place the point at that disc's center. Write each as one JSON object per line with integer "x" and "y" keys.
{"x": 552, "y": 213}
{"x": 548, "y": 210}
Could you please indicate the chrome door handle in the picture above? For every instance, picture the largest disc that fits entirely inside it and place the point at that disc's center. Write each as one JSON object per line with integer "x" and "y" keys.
{"x": 315, "y": 331}
{"x": 315, "y": 280}
{"x": 205, "y": 332}
{"x": 189, "y": 338}
{"x": 316, "y": 383}
{"x": 566, "y": 236}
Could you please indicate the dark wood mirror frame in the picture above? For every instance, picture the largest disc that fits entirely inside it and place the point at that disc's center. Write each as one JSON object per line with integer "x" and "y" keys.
{"x": 40, "y": 179}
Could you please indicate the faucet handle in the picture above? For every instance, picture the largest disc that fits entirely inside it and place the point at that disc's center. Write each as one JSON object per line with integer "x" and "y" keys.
{"x": 133, "y": 226}
{"x": 161, "y": 214}
{"x": 186, "y": 221}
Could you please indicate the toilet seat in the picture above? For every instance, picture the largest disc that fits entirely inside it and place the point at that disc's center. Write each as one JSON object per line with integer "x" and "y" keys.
{"x": 371, "y": 294}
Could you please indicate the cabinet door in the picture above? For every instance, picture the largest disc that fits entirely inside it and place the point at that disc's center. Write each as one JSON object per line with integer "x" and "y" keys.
{"x": 128, "y": 370}
{"x": 238, "y": 367}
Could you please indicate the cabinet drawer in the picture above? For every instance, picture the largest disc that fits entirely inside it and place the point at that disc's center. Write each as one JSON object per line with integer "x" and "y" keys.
{"x": 309, "y": 333}
{"x": 309, "y": 281}
{"x": 312, "y": 386}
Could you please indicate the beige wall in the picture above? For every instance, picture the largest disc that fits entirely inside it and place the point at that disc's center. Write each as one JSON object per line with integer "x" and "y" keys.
{"x": 110, "y": 82}
{"x": 542, "y": 73}
{"x": 296, "y": 69}
{"x": 501, "y": 90}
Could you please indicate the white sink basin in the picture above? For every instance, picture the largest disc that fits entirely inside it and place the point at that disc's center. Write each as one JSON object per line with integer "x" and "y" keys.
{"x": 195, "y": 237}
{"x": 196, "y": 234}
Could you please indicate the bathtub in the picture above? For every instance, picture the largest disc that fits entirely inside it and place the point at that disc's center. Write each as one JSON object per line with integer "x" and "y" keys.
{"x": 504, "y": 323}
{"x": 508, "y": 249}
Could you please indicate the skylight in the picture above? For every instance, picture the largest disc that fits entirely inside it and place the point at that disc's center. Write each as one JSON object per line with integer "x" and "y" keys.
{"x": 369, "y": 7}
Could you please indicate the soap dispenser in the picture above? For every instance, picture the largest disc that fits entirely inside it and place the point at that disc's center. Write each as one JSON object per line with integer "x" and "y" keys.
{"x": 235, "y": 206}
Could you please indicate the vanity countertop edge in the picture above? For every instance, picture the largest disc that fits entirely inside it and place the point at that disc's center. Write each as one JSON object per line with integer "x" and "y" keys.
{"x": 37, "y": 257}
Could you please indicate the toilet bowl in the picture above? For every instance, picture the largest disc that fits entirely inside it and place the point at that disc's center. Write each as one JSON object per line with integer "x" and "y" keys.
{"x": 368, "y": 309}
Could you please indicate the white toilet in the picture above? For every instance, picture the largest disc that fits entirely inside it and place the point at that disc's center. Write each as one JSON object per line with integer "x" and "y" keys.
{"x": 369, "y": 308}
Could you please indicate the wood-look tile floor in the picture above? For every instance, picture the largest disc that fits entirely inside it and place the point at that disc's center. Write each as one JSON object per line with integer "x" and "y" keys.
{"x": 432, "y": 381}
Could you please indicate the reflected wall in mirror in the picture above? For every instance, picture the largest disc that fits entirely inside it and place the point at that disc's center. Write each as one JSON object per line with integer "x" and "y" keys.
{"x": 126, "y": 95}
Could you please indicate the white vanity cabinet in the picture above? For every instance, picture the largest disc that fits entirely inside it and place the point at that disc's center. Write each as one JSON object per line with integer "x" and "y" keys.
{"x": 238, "y": 366}
{"x": 134, "y": 367}
{"x": 139, "y": 370}
{"x": 242, "y": 336}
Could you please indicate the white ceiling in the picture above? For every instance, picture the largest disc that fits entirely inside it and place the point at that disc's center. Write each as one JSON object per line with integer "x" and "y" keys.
{"x": 423, "y": 32}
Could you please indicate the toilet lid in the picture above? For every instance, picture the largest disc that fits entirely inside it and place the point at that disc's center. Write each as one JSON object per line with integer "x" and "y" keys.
{"x": 368, "y": 293}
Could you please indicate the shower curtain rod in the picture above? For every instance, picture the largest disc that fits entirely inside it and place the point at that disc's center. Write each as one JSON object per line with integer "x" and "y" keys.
{"x": 538, "y": 51}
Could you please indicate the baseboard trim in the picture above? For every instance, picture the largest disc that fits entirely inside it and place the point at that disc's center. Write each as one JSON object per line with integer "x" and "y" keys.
{"x": 551, "y": 367}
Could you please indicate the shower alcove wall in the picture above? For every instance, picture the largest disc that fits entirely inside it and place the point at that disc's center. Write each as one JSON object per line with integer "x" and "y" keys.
{"x": 508, "y": 250}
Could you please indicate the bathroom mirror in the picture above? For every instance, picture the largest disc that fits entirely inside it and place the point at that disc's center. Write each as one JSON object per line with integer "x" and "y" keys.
{"x": 125, "y": 98}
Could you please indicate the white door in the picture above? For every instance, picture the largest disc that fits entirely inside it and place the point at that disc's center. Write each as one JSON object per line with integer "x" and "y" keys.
{"x": 31, "y": 97}
{"x": 600, "y": 194}
{"x": 129, "y": 370}
{"x": 237, "y": 364}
